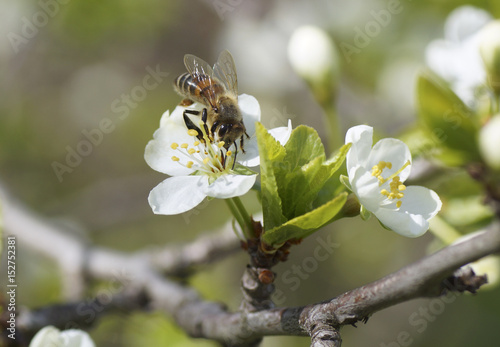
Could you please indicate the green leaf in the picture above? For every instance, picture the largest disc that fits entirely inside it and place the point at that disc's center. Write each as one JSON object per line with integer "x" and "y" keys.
{"x": 306, "y": 224}
{"x": 271, "y": 152}
{"x": 317, "y": 178}
{"x": 303, "y": 146}
{"x": 304, "y": 171}
{"x": 450, "y": 122}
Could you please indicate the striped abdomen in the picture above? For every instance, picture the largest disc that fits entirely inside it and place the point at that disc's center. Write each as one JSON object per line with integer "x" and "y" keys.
{"x": 202, "y": 89}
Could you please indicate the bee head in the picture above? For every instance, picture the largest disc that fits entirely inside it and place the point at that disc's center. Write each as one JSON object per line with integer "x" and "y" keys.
{"x": 229, "y": 133}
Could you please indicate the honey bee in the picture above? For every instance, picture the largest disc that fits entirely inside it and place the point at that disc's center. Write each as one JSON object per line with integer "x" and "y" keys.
{"x": 217, "y": 89}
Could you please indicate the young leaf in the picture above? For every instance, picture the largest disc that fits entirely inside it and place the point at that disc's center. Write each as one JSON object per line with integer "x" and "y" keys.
{"x": 304, "y": 225}
{"x": 446, "y": 117}
{"x": 270, "y": 152}
{"x": 303, "y": 146}
{"x": 318, "y": 178}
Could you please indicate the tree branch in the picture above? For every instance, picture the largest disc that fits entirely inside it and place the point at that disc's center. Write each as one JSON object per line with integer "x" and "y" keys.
{"x": 140, "y": 278}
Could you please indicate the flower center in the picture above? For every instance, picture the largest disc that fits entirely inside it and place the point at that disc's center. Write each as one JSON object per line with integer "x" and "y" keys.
{"x": 395, "y": 186}
{"x": 206, "y": 156}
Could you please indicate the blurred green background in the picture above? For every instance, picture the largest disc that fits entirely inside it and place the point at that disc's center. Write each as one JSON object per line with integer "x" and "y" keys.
{"x": 67, "y": 65}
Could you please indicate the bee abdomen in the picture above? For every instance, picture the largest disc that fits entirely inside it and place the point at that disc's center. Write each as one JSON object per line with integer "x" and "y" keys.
{"x": 185, "y": 85}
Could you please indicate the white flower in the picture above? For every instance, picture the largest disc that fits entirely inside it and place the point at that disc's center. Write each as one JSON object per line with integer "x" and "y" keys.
{"x": 312, "y": 53}
{"x": 51, "y": 336}
{"x": 201, "y": 169}
{"x": 376, "y": 176}
{"x": 489, "y": 142}
{"x": 490, "y": 51}
{"x": 456, "y": 58}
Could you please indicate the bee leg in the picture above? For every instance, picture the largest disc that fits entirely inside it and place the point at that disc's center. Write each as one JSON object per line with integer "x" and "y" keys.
{"x": 234, "y": 159}
{"x": 204, "y": 116}
{"x": 190, "y": 125}
{"x": 241, "y": 145}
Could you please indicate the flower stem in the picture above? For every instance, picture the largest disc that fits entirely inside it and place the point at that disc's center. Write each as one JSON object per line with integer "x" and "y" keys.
{"x": 246, "y": 217}
{"x": 241, "y": 215}
{"x": 443, "y": 231}
{"x": 335, "y": 139}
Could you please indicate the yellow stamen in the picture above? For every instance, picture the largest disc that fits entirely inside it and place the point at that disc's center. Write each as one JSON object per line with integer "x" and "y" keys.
{"x": 174, "y": 145}
{"x": 184, "y": 145}
{"x": 189, "y": 164}
{"x": 229, "y": 153}
{"x": 196, "y": 143}
{"x": 398, "y": 172}
{"x": 396, "y": 186}
{"x": 174, "y": 158}
{"x": 206, "y": 160}
{"x": 191, "y": 150}
{"x": 220, "y": 144}
{"x": 192, "y": 132}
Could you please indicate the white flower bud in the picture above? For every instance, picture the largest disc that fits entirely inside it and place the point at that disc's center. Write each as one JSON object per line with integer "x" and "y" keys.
{"x": 51, "y": 336}
{"x": 490, "y": 52}
{"x": 489, "y": 142}
{"x": 312, "y": 53}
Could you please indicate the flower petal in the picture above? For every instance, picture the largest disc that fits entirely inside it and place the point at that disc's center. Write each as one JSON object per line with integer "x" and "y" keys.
{"x": 46, "y": 336}
{"x": 394, "y": 151}
{"x": 419, "y": 204}
{"x": 177, "y": 194}
{"x": 421, "y": 200}
{"x": 441, "y": 57}
{"x": 464, "y": 22}
{"x": 361, "y": 137}
{"x": 250, "y": 110}
{"x": 366, "y": 187}
{"x": 76, "y": 338}
{"x": 159, "y": 153}
{"x": 229, "y": 186}
{"x": 282, "y": 134}
{"x": 251, "y": 156}
{"x": 403, "y": 223}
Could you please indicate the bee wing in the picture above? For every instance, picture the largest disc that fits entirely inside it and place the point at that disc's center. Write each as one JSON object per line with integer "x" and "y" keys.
{"x": 202, "y": 74}
{"x": 225, "y": 71}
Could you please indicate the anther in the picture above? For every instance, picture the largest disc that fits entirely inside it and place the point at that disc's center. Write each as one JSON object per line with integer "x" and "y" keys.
{"x": 191, "y": 151}
{"x": 184, "y": 145}
{"x": 192, "y": 132}
{"x": 174, "y": 158}
{"x": 189, "y": 164}
{"x": 174, "y": 145}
